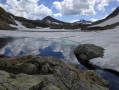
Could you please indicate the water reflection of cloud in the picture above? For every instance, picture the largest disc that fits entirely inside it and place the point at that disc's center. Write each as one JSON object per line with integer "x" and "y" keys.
{"x": 40, "y": 46}
{"x": 29, "y": 46}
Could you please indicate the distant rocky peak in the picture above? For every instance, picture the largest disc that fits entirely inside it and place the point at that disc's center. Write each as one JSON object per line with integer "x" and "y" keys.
{"x": 82, "y": 21}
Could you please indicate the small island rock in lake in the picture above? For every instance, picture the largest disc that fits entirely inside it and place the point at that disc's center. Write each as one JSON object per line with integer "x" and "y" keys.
{"x": 86, "y": 52}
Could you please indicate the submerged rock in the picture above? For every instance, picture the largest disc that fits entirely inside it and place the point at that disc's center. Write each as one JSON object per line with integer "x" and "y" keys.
{"x": 86, "y": 52}
{"x": 49, "y": 73}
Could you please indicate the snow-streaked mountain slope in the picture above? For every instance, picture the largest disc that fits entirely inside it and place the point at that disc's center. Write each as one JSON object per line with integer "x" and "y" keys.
{"x": 109, "y": 21}
{"x": 9, "y": 21}
{"x": 50, "y": 21}
{"x": 82, "y": 21}
{"x": 19, "y": 25}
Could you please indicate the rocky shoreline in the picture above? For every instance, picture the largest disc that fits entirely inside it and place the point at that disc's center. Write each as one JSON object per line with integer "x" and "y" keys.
{"x": 46, "y": 73}
{"x": 86, "y": 52}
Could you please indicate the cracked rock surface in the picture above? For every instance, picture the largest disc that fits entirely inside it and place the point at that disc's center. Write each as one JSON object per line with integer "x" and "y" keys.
{"x": 46, "y": 73}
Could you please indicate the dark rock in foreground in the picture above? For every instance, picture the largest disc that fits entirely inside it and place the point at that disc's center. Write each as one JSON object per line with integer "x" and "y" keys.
{"x": 85, "y": 52}
{"x": 47, "y": 73}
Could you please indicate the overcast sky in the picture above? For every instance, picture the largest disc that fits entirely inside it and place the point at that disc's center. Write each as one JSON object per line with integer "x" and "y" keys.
{"x": 65, "y": 10}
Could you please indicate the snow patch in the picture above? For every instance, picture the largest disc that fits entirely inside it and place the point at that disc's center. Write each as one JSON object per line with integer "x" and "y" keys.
{"x": 19, "y": 25}
{"x": 108, "y": 22}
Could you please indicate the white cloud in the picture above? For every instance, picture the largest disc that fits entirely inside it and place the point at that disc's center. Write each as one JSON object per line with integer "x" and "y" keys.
{"x": 103, "y": 3}
{"x": 95, "y": 19}
{"x": 27, "y": 8}
{"x": 57, "y": 15}
{"x": 104, "y": 17}
{"x": 81, "y": 7}
{"x": 74, "y": 21}
{"x": 113, "y": 9}
{"x": 75, "y": 7}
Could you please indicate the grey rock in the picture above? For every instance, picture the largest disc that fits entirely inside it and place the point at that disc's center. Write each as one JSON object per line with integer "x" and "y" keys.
{"x": 2, "y": 88}
{"x": 28, "y": 68}
{"x": 83, "y": 57}
{"x": 86, "y": 52}
{"x": 106, "y": 83}
{"x": 3, "y": 64}
{"x": 50, "y": 87}
{"x": 90, "y": 50}
{"x": 4, "y": 73}
{"x": 65, "y": 75}
{"x": 45, "y": 68}
{"x": 50, "y": 73}
{"x": 37, "y": 60}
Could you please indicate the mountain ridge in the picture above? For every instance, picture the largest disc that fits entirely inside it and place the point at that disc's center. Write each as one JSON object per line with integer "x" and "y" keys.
{"x": 7, "y": 21}
{"x": 50, "y": 21}
{"x": 82, "y": 21}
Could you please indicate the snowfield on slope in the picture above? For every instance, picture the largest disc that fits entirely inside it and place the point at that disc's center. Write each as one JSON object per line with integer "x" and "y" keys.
{"x": 108, "y": 39}
{"x": 108, "y": 22}
{"x": 19, "y": 25}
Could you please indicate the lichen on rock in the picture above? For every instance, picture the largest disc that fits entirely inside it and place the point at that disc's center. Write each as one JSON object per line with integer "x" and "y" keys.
{"x": 48, "y": 73}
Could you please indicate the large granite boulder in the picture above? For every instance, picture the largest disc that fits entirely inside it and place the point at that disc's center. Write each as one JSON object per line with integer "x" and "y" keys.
{"x": 86, "y": 52}
{"x": 49, "y": 73}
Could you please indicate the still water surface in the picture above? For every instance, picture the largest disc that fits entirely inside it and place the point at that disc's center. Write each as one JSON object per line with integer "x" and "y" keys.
{"x": 60, "y": 48}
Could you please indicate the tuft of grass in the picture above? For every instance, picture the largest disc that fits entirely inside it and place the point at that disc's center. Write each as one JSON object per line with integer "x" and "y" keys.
{"x": 14, "y": 61}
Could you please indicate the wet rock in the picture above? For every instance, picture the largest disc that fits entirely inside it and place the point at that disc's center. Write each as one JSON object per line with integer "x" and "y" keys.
{"x": 86, "y": 52}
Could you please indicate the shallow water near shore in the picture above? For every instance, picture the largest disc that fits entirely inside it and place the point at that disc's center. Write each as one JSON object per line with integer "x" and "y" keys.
{"x": 60, "y": 48}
